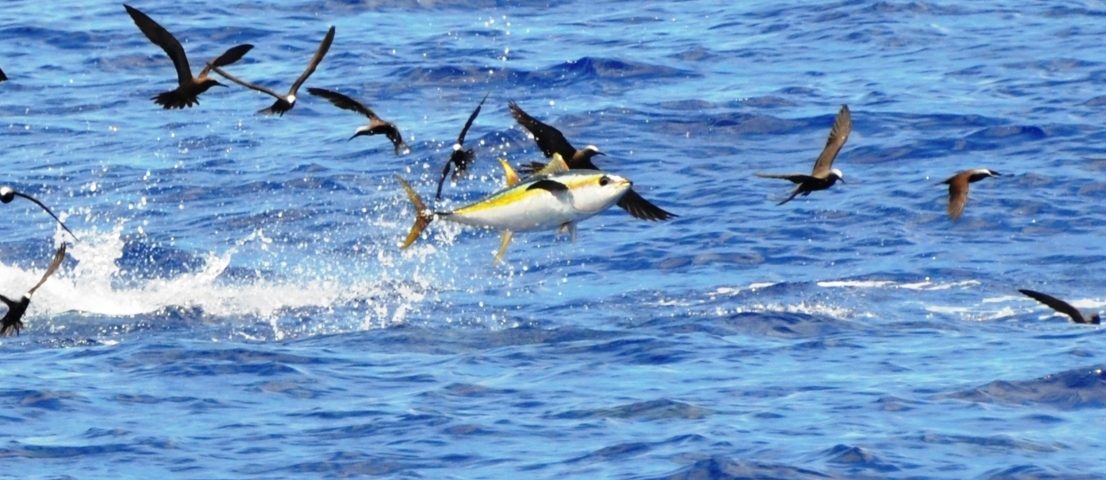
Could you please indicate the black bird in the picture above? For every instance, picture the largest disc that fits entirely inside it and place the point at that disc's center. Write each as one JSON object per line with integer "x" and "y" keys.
{"x": 376, "y": 124}
{"x": 958, "y": 188}
{"x": 460, "y": 158}
{"x": 285, "y": 103}
{"x": 550, "y": 141}
{"x": 7, "y": 194}
{"x": 12, "y": 322}
{"x": 1062, "y": 307}
{"x": 824, "y": 175}
{"x": 189, "y": 89}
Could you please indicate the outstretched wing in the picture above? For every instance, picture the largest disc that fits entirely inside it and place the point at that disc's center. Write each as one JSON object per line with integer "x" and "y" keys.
{"x": 958, "y": 196}
{"x": 1056, "y": 304}
{"x": 162, "y": 38}
{"x": 251, "y": 86}
{"x": 641, "y": 208}
{"x": 54, "y": 264}
{"x": 319, "y": 54}
{"x": 549, "y": 139}
{"x": 468, "y": 124}
{"x": 837, "y": 137}
{"x": 229, "y": 57}
{"x": 343, "y": 102}
{"x": 793, "y": 177}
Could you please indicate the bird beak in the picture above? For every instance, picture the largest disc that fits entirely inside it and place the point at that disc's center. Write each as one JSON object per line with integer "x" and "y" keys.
{"x": 996, "y": 173}
{"x": 841, "y": 179}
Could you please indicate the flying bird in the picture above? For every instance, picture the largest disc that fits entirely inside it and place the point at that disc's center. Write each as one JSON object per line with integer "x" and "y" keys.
{"x": 189, "y": 89}
{"x": 460, "y": 159}
{"x": 550, "y": 141}
{"x": 7, "y": 194}
{"x": 12, "y": 322}
{"x": 555, "y": 197}
{"x": 1062, "y": 307}
{"x": 285, "y": 103}
{"x": 376, "y": 124}
{"x": 958, "y": 188}
{"x": 824, "y": 175}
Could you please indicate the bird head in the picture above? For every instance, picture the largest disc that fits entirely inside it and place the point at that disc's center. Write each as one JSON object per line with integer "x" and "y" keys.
{"x": 7, "y": 194}
{"x": 838, "y": 174}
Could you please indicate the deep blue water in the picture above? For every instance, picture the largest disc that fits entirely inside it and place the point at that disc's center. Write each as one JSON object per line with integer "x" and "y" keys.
{"x": 237, "y": 306}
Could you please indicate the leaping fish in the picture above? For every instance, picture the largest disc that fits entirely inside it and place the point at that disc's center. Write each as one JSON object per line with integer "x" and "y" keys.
{"x": 555, "y": 197}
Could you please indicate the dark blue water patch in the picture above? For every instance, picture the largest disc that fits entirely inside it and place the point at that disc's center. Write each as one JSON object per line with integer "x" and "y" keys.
{"x": 857, "y": 459}
{"x": 67, "y": 451}
{"x": 1069, "y": 390}
{"x": 724, "y": 468}
{"x": 41, "y": 399}
{"x": 1034, "y": 472}
{"x": 652, "y": 410}
{"x": 783, "y": 324}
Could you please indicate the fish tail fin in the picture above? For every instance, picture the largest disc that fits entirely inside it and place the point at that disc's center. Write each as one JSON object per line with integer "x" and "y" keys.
{"x": 423, "y": 216}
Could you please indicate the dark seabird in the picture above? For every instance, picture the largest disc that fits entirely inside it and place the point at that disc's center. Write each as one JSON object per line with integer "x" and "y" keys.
{"x": 550, "y": 141}
{"x": 376, "y": 124}
{"x": 958, "y": 188}
{"x": 7, "y": 194}
{"x": 185, "y": 95}
{"x": 1062, "y": 307}
{"x": 460, "y": 159}
{"x": 12, "y": 322}
{"x": 285, "y": 103}
{"x": 823, "y": 176}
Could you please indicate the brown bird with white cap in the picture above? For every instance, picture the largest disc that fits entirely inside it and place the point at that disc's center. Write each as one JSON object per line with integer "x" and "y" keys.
{"x": 189, "y": 88}
{"x": 958, "y": 188}
{"x": 12, "y": 322}
{"x": 285, "y": 102}
{"x": 824, "y": 175}
{"x": 376, "y": 126}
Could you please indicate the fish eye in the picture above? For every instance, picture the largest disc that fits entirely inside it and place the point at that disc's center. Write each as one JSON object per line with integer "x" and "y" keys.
{"x": 604, "y": 180}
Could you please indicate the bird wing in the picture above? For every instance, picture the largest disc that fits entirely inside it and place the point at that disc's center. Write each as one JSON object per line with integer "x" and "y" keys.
{"x": 246, "y": 84}
{"x": 231, "y": 56}
{"x": 54, "y": 264}
{"x": 549, "y": 139}
{"x": 468, "y": 124}
{"x": 793, "y": 177}
{"x": 1056, "y": 304}
{"x": 343, "y": 102}
{"x": 393, "y": 134}
{"x": 162, "y": 38}
{"x": 958, "y": 195}
{"x": 47, "y": 209}
{"x": 641, "y": 208}
{"x": 837, "y": 137}
{"x": 2, "y": 76}
{"x": 319, "y": 54}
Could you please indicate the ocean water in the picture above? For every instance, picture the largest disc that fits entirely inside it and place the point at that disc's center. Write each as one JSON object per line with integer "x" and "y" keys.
{"x": 238, "y": 307}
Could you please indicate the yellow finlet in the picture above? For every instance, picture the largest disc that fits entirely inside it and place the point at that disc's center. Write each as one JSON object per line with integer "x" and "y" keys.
{"x": 556, "y": 165}
{"x": 505, "y": 239}
{"x": 422, "y": 215}
{"x": 510, "y": 177}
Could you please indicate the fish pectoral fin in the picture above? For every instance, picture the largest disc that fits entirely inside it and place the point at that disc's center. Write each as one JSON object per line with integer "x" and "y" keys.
{"x": 510, "y": 177}
{"x": 504, "y": 241}
{"x": 557, "y": 165}
{"x": 552, "y": 186}
{"x": 570, "y": 228}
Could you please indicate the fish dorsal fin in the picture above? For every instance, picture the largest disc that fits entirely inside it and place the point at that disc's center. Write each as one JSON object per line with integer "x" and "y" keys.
{"x": 556, "y": 165}
{"x": 504, "y": 241}
{"x": 510, "y": 178}
{"x": 570, "y": 229}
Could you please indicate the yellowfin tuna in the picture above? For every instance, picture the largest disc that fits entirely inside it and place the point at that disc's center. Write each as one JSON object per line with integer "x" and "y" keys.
{"x": 553, "y": 198}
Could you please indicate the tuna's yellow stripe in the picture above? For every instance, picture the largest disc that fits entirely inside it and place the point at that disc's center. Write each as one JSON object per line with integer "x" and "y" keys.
{"x": 520, "y": 192}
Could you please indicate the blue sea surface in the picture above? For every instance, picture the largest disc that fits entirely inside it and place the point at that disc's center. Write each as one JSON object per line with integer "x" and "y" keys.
{"x": 238, "y": 306}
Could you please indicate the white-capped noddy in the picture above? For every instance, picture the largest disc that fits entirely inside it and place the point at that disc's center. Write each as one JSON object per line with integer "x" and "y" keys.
{"x": 550, "y": 141}
{"x": 824, "y": 175}
{"x": 460, "y": 159}
{"x": 187, "y": 92}
{"x": 7, "y": 194}
{"x": 12, "y": 322}
{"x": 1062, "y": 307}
{"x": 958, "y": 188}
{"x": 285, "y": 103}
{"x": 376, "y": 124}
